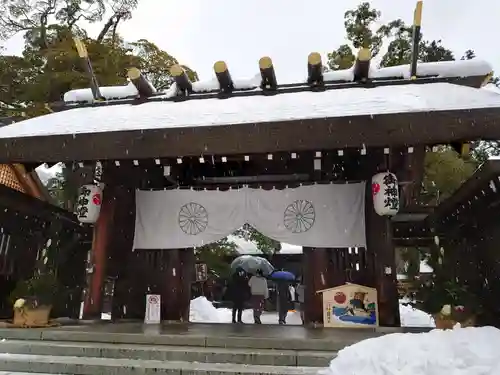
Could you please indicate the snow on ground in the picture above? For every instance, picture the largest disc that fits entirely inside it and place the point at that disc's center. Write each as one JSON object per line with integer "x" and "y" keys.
{"x": 202, "y": 311}
{"x": 462, "y": 351}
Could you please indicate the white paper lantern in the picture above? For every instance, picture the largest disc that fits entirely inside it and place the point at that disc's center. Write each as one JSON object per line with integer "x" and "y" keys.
{"x": 385, "y": 192}
{"x": 89, "y": 203}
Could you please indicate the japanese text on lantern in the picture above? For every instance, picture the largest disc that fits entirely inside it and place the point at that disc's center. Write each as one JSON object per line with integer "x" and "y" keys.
{"x": 82, "y": 209}
{"x": 391, "y": 195}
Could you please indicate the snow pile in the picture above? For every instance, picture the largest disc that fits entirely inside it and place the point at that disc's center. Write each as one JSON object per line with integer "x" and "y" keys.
{"x": 462, "y": 351}
{"x": 411, "y": 317}
{"x": 202, "y": 311}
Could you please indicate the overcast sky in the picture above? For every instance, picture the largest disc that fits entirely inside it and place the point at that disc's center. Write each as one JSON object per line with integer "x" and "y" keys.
{"x": 200, "y": 32}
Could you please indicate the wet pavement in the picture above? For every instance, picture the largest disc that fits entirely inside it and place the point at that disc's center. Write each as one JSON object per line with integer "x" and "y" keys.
{"x": 221, "y": 330}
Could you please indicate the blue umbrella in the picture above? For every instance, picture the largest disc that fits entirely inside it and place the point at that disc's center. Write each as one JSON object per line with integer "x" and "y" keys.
{"x": 282, "y": 276}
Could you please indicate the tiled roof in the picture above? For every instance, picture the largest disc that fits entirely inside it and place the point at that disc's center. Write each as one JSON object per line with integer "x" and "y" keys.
{"x": 8, "y": 178}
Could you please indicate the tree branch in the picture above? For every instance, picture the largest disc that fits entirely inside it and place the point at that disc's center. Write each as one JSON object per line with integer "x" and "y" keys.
{"x": 106, "y": 28}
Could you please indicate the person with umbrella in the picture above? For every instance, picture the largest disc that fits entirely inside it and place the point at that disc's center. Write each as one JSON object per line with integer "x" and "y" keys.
{"x": 260, "y": 292}
{"x": 238, "y": 293}
{"x": 283, "y": 281}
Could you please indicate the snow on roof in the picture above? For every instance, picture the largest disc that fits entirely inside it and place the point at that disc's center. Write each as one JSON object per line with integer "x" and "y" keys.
{"x": 443, "y": 69}
{"x": 256, "y": 109}
{"x": 249, "y": 247}
{"x": 127, "y": 91}
{"x": 108, "y": 92}
{"x": 491, "y": 87}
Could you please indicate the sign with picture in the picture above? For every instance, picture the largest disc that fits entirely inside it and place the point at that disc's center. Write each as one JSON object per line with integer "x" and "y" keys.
{"x": 350, "y": 306}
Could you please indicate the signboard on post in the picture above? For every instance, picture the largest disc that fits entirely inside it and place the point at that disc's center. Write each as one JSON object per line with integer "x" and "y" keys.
{"x": 153, "y": 311}
{"x": 201, "y": 272}
{"x": 350, "y": 306}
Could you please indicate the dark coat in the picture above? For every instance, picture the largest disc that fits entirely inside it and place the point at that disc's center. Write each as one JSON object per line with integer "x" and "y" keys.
{"x": 238, "y": 289}
{"x": 284, "y": 297}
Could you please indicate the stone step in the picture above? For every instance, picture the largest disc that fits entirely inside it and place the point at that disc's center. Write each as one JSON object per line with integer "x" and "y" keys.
{"x": 113, "y": 366}
{"x": 331, "y": 344}
{"x": 170, "y": 353}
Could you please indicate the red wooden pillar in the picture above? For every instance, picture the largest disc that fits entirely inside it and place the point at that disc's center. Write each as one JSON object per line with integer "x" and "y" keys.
{"x": 379, "y": 241}
{"x": 101, "y": 240}
{"x": 316, "y": 277}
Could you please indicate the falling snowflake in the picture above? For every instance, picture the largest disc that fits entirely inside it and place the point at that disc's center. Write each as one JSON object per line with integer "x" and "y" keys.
{"x": 299, "y": 216}
{"x": 193, "y": 218}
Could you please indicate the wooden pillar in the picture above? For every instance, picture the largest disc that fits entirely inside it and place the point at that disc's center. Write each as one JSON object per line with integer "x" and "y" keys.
{"x": 379, "y": 241}
{"x": 102, "y": 239}
{"x": 71, "y": 264}
{"x": 187, "y": 263}
{"x": 175, "y": 288}
{"x": 121, "y": 255}
{"x": 316, "y": 277}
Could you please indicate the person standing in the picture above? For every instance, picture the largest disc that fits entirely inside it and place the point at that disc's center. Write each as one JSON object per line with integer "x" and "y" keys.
{"x": 259, "y": 292}
{"x": 238, "y": 294}
{"x": 284, "y": 300}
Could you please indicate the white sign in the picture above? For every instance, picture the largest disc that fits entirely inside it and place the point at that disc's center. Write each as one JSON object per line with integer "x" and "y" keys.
{"x": 153, "y": 312}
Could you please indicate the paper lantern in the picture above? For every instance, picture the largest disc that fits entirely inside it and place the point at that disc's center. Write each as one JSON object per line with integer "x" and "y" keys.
{"x": 385, "y": 194}
{"x": 89, "y": 203}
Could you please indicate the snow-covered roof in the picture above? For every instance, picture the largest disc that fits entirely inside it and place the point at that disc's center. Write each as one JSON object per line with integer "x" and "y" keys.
{"x": 256, "y": 109}
{"x": 249, "y": 247}
{"x": 492, "y": 87}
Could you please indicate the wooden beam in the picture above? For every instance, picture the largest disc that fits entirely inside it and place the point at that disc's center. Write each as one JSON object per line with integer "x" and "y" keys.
{"x": 141, "y": 83}
{"x": 315, "y": 70}
{"x": 362, "y": 65}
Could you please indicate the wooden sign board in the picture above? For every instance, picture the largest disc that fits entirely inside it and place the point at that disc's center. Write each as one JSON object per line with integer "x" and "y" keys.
{"x": 350, "y": 306}
{"x": 153, "y": 309}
